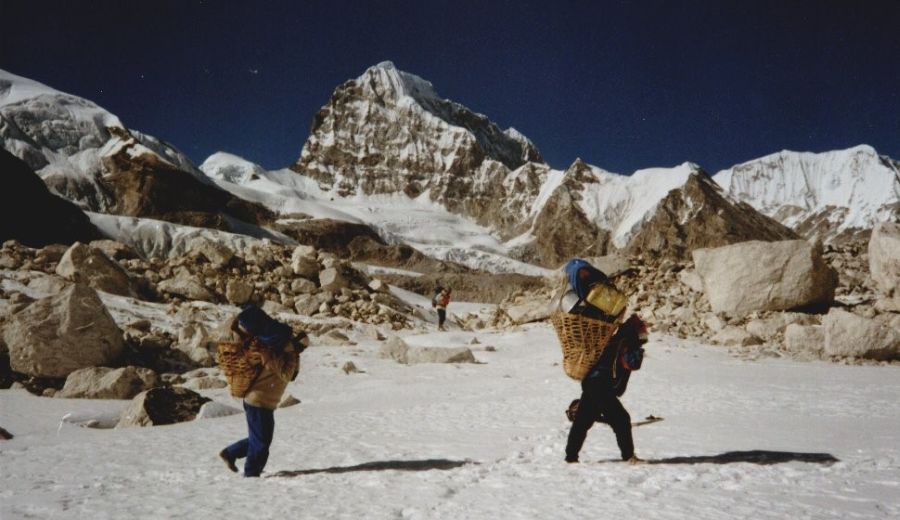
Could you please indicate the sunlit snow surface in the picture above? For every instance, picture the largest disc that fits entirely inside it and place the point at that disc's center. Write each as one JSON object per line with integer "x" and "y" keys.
{"x": 484, "y": 441}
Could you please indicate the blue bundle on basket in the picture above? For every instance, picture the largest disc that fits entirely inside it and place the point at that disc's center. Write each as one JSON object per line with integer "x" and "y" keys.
{"x": 593, "y": 311}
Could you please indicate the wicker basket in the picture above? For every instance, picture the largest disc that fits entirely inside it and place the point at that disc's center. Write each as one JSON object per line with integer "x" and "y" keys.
{"x": 235, "y": 362}
{"x": 582, "y": 340}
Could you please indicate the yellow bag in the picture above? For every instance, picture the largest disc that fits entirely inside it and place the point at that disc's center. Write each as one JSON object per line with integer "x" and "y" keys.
{"x": 607, "y": 298}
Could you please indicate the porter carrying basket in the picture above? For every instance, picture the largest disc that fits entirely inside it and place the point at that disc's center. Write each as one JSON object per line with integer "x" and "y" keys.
{"x": 238, "y": 363}
{"x": 581, "y": 339}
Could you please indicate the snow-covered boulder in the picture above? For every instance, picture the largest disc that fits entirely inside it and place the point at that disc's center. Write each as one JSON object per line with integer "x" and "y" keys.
{"x": 849, "y": 335}
{"x": 108, "y": 383}
{"x": 57, "y": 335}
{"x": 884, "y": 264}
{"x": 765, "y": 276}
{"x": 82, "y": 263}
{"x": 162, "y": 405}
{"x": 439, "y": 355}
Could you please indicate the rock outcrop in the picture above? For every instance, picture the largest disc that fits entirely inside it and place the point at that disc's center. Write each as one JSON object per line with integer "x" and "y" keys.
{"x": 884, "y": 264}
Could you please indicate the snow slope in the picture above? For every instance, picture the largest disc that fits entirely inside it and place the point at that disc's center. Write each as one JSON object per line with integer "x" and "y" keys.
{"x": 397, "y": 218}
{"x": 485, "y": 441}
{"x": 856, "y": 186}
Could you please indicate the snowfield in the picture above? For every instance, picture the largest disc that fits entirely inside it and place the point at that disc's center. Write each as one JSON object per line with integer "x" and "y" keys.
{"x": 740, "y": 439}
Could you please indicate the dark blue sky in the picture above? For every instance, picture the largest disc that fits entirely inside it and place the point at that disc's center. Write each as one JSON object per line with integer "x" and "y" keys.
{"x": 621, "y": 84}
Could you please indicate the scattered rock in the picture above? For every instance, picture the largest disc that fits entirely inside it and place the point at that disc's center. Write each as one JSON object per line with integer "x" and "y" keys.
{"x": 108, "y": 383}
{"x": 162, "y": 405}
{"x": 735, "y": 336}
{"x": 187, "y": 286}
{"x": 289, "y": 400}
{"x": 350, "y": 368}
{"x": 214, "y": 410}
{"x": 215, "y": 252}
{"x": 204, "y": 383}
{"x": 84, "y": 264}
{"x": 5, "y": 435}
{"x": 804, "y": 339}
{"x": 849, "y": 335}
{"x": 238, "y": 292}
{"x": 335, "y": 338}
{"x": 439, "y": 355}
{"x": 394, "y": 348}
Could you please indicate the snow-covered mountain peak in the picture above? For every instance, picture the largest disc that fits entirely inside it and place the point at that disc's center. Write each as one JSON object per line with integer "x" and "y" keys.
{"x": 385, "y": 79}
{"x": 231, "y": 168}
{"x": 828, "y": 194}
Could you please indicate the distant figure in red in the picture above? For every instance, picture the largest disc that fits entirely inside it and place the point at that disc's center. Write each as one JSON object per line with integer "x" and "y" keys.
{"x": 440, "y": 301}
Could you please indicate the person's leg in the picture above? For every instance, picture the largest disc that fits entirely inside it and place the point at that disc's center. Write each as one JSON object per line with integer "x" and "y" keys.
{"x": 584, "y": 419}
{"x": 442, "y": 316}
{"x": 619, "y": 420}
{"x": 262, "y": 429}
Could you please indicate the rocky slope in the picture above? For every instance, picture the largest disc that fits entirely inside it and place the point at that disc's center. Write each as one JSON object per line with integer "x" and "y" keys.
{"x": 85, "y": 154}
{"x": 832, "y": 195}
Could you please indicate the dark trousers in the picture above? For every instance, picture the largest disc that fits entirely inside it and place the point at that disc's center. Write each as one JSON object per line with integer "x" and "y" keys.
{"x": 442, "y": 317}
{"x": 599, "y": 397}
{"x": 260, "y": 429}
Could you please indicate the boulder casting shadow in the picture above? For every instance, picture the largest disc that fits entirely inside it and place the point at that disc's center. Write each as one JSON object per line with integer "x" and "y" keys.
{"x": 382, "y": 465}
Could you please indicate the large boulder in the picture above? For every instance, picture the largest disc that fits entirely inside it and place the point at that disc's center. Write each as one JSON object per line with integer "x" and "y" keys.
{"x": 162, "y": 405}
{"x": 765, "y": 276}
{"x": 108, "y": 383}
{"x": 884, "y": 263}
{"x": 55, "y": 336}
{"x": 82, "y": 263}
{"x": 849, "y": 335}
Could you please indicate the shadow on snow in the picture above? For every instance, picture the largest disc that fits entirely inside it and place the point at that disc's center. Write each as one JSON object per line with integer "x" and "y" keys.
{"x": 382, "y": 465}
{"x": 762, "y": 457}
